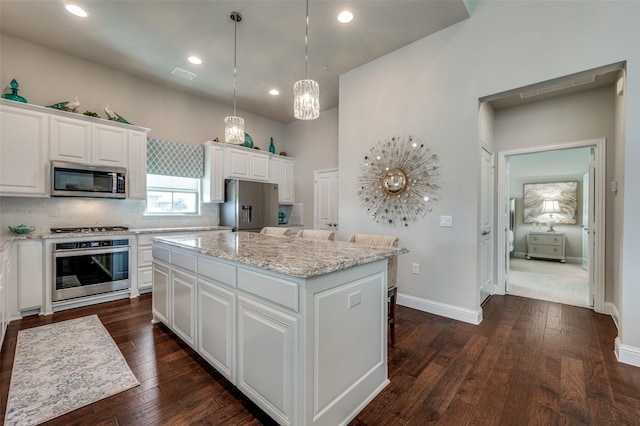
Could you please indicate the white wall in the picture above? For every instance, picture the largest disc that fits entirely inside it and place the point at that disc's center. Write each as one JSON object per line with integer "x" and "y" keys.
{"x": 431, "y": 89}
{"x": 314, "y": 144}
{"x": 47, "y": 76}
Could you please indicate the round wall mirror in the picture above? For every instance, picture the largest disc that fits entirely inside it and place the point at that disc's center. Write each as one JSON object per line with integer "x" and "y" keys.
{"x": 394, "y": 181}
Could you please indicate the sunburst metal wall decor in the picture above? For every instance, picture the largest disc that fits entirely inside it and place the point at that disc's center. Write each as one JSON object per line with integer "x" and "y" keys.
{"x": 398, "y": 181}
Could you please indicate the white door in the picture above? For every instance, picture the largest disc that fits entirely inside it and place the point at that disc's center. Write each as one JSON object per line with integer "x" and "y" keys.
{"x": 326, "y": 200}
{"x": 586, "y": 188}
{"x": 486, "y": 224}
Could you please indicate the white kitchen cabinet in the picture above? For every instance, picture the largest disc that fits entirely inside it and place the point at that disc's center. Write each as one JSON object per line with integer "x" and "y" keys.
{"x": 161, "y": 288}
{"x": 70, "y": 140}
{"x": 247, "y": 164}
{"x": 24, "y": 162}
{"x": 78, "y": 141}
{"x": 216, "y": 325}
{"x": 213, "y": 180}
{"x": 109, "y": 147}
{"x": 282, "y": 171}
{"x": 267, "y": 357}
{"x": 137, "y": 170}
{"x": 326, "y": 200}
{"x": 182, "y": 300}
{"x": 29, "y": 257}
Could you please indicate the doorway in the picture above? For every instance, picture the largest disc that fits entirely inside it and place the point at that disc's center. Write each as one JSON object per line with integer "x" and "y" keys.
{"x": 542, "y": 276}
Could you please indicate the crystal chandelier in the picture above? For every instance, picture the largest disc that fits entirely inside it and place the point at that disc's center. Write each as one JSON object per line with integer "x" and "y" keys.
{"x": 234, "y": 125}
{"x": 306, "y": 101}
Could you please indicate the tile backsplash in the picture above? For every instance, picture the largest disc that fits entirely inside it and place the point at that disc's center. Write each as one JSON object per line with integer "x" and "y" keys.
{"x": 47, "y": 213}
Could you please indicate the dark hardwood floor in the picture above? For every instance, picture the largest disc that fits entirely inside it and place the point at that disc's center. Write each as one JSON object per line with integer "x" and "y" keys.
{"x": 529, "y": 362}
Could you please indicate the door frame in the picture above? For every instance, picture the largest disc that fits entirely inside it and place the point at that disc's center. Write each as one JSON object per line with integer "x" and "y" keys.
{"x": 598, "y": 261}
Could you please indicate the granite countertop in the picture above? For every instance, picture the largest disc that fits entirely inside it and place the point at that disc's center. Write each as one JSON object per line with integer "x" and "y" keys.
{"x": 292, "y": 256}
{"x": 6, "y": 239}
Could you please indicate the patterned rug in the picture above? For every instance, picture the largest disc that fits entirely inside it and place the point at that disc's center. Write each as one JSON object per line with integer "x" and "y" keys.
{"x": 63, "y": 366}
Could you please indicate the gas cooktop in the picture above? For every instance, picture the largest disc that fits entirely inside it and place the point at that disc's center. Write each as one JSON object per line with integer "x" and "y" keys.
{"x": 89, "y": 229}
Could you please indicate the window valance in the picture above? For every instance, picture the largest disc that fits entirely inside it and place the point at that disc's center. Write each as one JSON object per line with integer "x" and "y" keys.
{"x": 169, "y": 158}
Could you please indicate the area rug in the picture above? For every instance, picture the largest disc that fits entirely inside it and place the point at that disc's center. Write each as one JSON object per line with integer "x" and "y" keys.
{"x": 63, "y": 366}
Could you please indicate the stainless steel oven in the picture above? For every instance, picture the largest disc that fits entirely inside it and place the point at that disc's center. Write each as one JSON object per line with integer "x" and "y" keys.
{"x": 84, "y": 268}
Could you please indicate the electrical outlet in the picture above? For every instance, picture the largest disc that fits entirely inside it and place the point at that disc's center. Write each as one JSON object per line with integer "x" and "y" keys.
{"x": 415, "y": 268}
{"x": 354, "y": 299}
{"x": 446, "y": 221}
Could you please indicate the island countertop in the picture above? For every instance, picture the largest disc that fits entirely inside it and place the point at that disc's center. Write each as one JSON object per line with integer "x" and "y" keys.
{"x": 297, "y": 257}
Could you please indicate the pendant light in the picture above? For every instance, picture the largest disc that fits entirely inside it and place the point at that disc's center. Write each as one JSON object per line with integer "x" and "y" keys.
{"x": 306, "y": 93}
{"x": 234, "y": 125}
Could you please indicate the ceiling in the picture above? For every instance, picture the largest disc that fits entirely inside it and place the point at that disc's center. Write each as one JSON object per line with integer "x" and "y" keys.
{"x": 150, "y": 38}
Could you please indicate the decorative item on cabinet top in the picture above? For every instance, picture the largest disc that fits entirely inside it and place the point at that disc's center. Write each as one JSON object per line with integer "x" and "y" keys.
{"x": 171, "y": 158}
{"x": 69, "y": 106}
{"x": 13, "y": 96}
{"x": 398, "y": 181}
{"x": 114, "y": 116}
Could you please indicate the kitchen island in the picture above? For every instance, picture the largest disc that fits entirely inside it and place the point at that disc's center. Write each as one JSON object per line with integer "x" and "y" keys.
{"x": 299, "y": 326}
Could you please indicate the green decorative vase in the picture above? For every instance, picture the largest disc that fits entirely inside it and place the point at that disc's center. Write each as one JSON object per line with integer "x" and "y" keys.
{"x": 272, "y": 149}
{"x": 13, "y": 96}
{"x": 248, "y": 141}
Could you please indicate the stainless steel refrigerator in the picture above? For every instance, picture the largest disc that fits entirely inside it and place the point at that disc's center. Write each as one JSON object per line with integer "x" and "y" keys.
{"x": 249, "y": 206}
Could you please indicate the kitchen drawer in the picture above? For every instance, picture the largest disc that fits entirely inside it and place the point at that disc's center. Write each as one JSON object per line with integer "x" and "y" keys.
{"x": 277, "y": 290}
{"x": 554, "y": 240}
{"x": 217, "y": 271}
{"x": 184, "y": 260}
{"x": 162, "y": 253}
{"x": 145, "y": 256}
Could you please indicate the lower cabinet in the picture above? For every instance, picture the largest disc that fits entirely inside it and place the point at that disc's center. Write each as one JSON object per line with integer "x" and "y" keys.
{"x": 182, "y": 305}
{"x": 267, "y": 357}
{"x": 30, "y": 275}
{"x": 160, "y": 301}
{"x": 216, "y": 324}
{"x": 4, "y": 273}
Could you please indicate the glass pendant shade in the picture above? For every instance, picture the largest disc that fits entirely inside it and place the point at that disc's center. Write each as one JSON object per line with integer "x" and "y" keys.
{"x": 306, "y": 100}
{"x": 234, "y": 130}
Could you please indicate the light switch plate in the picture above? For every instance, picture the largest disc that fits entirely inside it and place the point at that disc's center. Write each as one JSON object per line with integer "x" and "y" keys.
{"x": 446, "y": 221}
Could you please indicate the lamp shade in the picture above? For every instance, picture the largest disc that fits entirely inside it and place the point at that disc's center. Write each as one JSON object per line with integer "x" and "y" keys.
{"x": 550, "y": 206}
{"x": 306, "y": 101}
{"x": 234, "y": 130}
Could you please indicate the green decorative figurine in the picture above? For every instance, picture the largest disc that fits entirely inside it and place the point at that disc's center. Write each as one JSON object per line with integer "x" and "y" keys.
{"x": 272, "y": 149}
{"x": 13, "y": 96}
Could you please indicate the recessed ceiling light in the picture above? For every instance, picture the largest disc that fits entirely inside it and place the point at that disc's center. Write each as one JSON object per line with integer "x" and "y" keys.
{"x": 345, "y": 17}
{"x": 76, "y": 10}
{"x": 274, "y": 92}
{"x": 194, "y": 60}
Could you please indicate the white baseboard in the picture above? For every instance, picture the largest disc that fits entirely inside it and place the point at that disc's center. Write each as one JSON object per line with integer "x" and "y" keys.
{"x": 627, "y": 354}
{"x": 611, "y": 309}
{"x": 442, "y": 309}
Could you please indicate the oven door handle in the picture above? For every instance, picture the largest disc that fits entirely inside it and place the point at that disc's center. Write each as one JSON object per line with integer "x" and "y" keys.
{"x": 87, "y": 252}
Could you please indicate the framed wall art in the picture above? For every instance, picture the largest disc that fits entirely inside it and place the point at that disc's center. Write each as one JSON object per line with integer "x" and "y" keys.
{"x": 559, "y": 199}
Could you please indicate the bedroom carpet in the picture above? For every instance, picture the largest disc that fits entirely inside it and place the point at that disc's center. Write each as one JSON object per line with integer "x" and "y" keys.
{"x": 548, "y": 280}
{"x": 63, "y": 366}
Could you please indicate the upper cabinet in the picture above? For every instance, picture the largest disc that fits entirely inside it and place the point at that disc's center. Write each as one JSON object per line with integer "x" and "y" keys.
{"x": 24, "y": 166}
{"x": 79, "y": 141}
{"x": 283, "y": 172}
{"x": 246, "y": 164}
{"x": 32, "y": 136}
{"x": 230, "y": 162}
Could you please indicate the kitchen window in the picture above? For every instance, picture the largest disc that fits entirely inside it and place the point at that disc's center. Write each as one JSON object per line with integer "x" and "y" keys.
{"x": 172, "y": 195}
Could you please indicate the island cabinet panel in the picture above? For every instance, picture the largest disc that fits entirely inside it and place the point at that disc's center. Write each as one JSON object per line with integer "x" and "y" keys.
{"x": 160, "y": 302}
{"x": 182, "y": 305}
{"x": 267, "y": 358}
{"x": 216, "y": 325}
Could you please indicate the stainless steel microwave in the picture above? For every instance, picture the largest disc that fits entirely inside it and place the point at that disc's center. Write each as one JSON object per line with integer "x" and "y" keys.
{"x": 79, "y": 180}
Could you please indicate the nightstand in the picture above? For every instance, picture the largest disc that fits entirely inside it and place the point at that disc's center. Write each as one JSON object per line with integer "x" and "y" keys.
{"x": 546, "y": 245}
